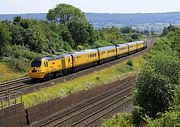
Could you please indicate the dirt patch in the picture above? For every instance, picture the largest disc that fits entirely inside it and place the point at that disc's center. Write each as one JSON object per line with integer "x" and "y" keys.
{"x": 13, "y": 116}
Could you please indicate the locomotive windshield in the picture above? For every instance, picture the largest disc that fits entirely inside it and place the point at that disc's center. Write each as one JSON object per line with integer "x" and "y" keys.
{"x": 36, "y": 63}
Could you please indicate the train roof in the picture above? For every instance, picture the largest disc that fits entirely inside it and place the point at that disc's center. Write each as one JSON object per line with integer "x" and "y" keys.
{"x": 131, "y": 43}
{"x": 106, "y": 48}
{"x": 122, "y": 45}
{"x": 139, "y": 41}
{"x": 84, "y": 52}
{"x": 53, "y": 57}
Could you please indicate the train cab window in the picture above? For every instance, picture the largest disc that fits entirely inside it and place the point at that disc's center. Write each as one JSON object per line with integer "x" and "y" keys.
{"x": 45, "y": 64}
{"x": 35, "y": 63}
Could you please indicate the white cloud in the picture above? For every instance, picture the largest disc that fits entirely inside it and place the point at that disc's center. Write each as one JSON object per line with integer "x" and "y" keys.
{"x": 15, "y": 1}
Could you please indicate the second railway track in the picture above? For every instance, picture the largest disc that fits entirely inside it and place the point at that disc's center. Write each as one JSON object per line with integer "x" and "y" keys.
{"x": 92, "y": 110}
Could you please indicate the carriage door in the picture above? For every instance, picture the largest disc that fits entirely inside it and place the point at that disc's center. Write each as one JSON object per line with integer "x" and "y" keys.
{"x": 63, "y": 63}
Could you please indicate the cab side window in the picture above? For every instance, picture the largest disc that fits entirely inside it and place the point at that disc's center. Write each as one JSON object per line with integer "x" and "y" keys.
{"x": 45, "y": 64}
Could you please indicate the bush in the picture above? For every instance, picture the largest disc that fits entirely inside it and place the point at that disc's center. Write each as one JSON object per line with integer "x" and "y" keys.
{"x": 154, "y": 93}
{"x": 129, "y": 63}
{"x": 169, "y": 119}
{"x": 137, "y": 116}
{"x": 119, "y": 120}
{"x": 20, "y": 65}
{"x": 19, "y": 52}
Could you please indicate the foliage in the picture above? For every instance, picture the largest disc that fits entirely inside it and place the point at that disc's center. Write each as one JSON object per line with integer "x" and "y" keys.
{"x": 82, "y": 33}
{"x": 113, "y": 35}
{"x": 168, "y": 29}
{"x": 19, "y": 52}
{"x": 7, "y": 73}
{"x": 176, "y": 102}
{"x": 119, "y": 120}
{"x": 17, "y": 64}
{"x": 65, "y": 13}
{"x": 5, "y": 36}
{"x": 156, "y": 82}
{"x": 137, "y": 115}
{"x": 126, "y": 29}
{"x": 129, "y": 63}
{"x": 169, "y": 119}
{"x": 154, "y": 93}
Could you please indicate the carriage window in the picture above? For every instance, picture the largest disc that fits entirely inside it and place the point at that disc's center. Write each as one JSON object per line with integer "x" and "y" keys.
{"x": 122, "y": 48}
{"x": 111, "y": 51}
{"x": 92, "y": 55}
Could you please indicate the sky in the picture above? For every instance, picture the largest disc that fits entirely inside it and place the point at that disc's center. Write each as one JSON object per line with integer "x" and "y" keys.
{"x": 98, "y": 6}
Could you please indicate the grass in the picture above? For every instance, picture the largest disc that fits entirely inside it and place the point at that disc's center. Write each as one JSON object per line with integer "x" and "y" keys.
{"x": 86, "y": 82}
{"x": 8, "y": 74}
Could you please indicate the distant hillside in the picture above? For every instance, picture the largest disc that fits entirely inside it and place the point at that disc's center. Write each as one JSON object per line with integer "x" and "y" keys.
{"x": 116, "y": 18}
{"x": 38, "y": 16}
{"x": 136, "y": 20}
{"x": 133, "y": 19}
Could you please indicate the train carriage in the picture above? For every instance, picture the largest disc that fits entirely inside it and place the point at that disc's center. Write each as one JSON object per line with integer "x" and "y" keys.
{"x": 85, "y": 58}
{"x": 133, "y": 47}
{"x": 141, "y": 45}
{"x": 107, "y": 53}
{"x": 122, "y": 50}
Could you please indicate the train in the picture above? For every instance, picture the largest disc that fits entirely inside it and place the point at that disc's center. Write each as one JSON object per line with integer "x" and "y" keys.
{"x": 49, "y": 67}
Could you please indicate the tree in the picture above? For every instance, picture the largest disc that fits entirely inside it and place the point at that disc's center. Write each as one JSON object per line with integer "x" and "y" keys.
{"x": 82, "y": 32}
{"x": 135, "y": 36}
{"x": 64, "y": 13}
{"x": 17, "y": 19}
{"x": 36, "y": 40}
{"x": 5, "y": 36}
{"x": 154, "y": 93}
{"x": 126, "y": 29}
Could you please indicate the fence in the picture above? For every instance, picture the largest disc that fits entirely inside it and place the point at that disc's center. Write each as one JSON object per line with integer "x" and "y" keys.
{"x": 10, "y": 99}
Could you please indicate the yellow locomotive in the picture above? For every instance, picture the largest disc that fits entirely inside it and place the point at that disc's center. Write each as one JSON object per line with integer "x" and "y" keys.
{"x": 49, "y": 67}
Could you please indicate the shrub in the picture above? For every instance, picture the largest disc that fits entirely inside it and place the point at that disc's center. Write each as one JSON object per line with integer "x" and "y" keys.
{"x": 169, "y": 119}
{"x": 137, "y": 116}
{"x": 119, "y": 120}
{"x": 19, "y": 52}
{"x": 20, "y": 65}
{"x": 129, "y": 63}
{"x": 154, "y": 93}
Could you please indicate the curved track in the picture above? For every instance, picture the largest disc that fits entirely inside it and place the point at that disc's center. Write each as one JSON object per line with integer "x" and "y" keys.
{"x": 25, "y": 85}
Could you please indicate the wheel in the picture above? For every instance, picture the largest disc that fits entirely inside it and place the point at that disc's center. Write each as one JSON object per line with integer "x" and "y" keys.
{"x": 47, "y": 77}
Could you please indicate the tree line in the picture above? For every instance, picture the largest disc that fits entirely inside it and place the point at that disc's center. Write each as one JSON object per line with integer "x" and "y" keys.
{"x": 66, "y": 30}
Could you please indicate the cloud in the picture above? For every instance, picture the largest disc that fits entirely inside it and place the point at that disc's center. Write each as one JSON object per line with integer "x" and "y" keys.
{"x": 15, "y": 1}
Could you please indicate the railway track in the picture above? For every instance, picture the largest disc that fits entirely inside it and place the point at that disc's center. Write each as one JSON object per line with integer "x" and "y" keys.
{"x": 25, "y": 85}
{"x": 7, "y": 84}
{"x": 92, "y": 110}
